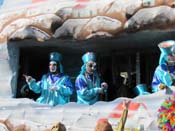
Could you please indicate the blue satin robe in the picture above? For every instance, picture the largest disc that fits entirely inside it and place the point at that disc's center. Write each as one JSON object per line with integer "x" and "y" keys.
{"x": 161, "y": 75}
{"x": 61, "y": 95}
{"x": 87, "y": 89}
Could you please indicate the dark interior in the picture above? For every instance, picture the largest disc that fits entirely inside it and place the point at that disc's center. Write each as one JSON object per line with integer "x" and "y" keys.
{"x": 34, "y": 62}
{"x": 135, "y": 53}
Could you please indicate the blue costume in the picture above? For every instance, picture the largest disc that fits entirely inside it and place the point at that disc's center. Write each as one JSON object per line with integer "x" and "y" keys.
{"x": 62, "y": 83}
{"x": 87, "y": 86}
{"x": 164, "y": 73}
{"x": 87, "y": 89}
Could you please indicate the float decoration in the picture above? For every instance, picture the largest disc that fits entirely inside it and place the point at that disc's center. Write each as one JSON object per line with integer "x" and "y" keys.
{"x": 166, "y": 115}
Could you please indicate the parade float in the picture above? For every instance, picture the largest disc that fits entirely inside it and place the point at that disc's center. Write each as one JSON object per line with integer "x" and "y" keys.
{"x": 123, "y": 33}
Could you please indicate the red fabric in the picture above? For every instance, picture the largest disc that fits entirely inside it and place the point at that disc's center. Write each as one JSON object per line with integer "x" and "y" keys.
{"x": 134, "y": 106}
{"x": 102, "y": 120}
{"x": 115, "y": 115}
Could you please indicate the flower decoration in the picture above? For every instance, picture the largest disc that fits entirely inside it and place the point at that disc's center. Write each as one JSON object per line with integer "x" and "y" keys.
{"x": 166, "y": 114}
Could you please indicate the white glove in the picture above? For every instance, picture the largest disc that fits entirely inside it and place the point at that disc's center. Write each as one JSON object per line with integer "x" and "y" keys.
{"x": 28, "y": 78}
{"x": 100, "y": 90}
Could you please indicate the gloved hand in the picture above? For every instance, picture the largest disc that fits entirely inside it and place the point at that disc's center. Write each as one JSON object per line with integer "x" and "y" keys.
{"x": 162, "y": 86}
{"x": 28, "y": 78}
{"x": 103, "y": 89}
{"x": 104, "y": 86}
{"x": 100, "y": 91}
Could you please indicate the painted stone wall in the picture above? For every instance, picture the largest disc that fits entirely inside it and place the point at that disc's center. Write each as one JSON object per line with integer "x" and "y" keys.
{"x": 13, "y": 52}
{"x": 5, "y": 73}
{"x": 8, "y": 70}
{"x": 83, "y": 19}
{"x": 26, "y": 115}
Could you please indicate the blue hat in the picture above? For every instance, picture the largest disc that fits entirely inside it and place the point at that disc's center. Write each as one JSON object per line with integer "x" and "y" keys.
{"x": 55, "y": 56}
{"x": 166, "y": 48}
{"x": 141, "y": 89}
{"x": 89, "y": 56}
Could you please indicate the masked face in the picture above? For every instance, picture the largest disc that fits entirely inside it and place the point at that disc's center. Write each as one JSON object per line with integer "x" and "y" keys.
{"x": 90, "y": 67}
{"x": 171, "y": 60}
{"x": 53, "y": 67}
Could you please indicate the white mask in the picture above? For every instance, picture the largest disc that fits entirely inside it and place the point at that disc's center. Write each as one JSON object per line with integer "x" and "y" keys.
{"x": 53, "y": 66}
{"x": 90, "y": 67}
{"x": 171, "y": 60}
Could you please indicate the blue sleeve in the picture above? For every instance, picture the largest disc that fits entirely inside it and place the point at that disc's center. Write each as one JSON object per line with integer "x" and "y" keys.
{"x": 35, "y": 86}
{"x": 155, "y": 83}
{"x": 82, "y": 89}
{"x": 80, "y": 84}
{"x": 66, "y": 88}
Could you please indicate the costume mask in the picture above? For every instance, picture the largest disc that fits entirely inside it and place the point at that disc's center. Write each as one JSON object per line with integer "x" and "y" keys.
{"x": 171, "y": 60}
{"x": 90, "y": 67}
{"x": 53, "y": 67}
